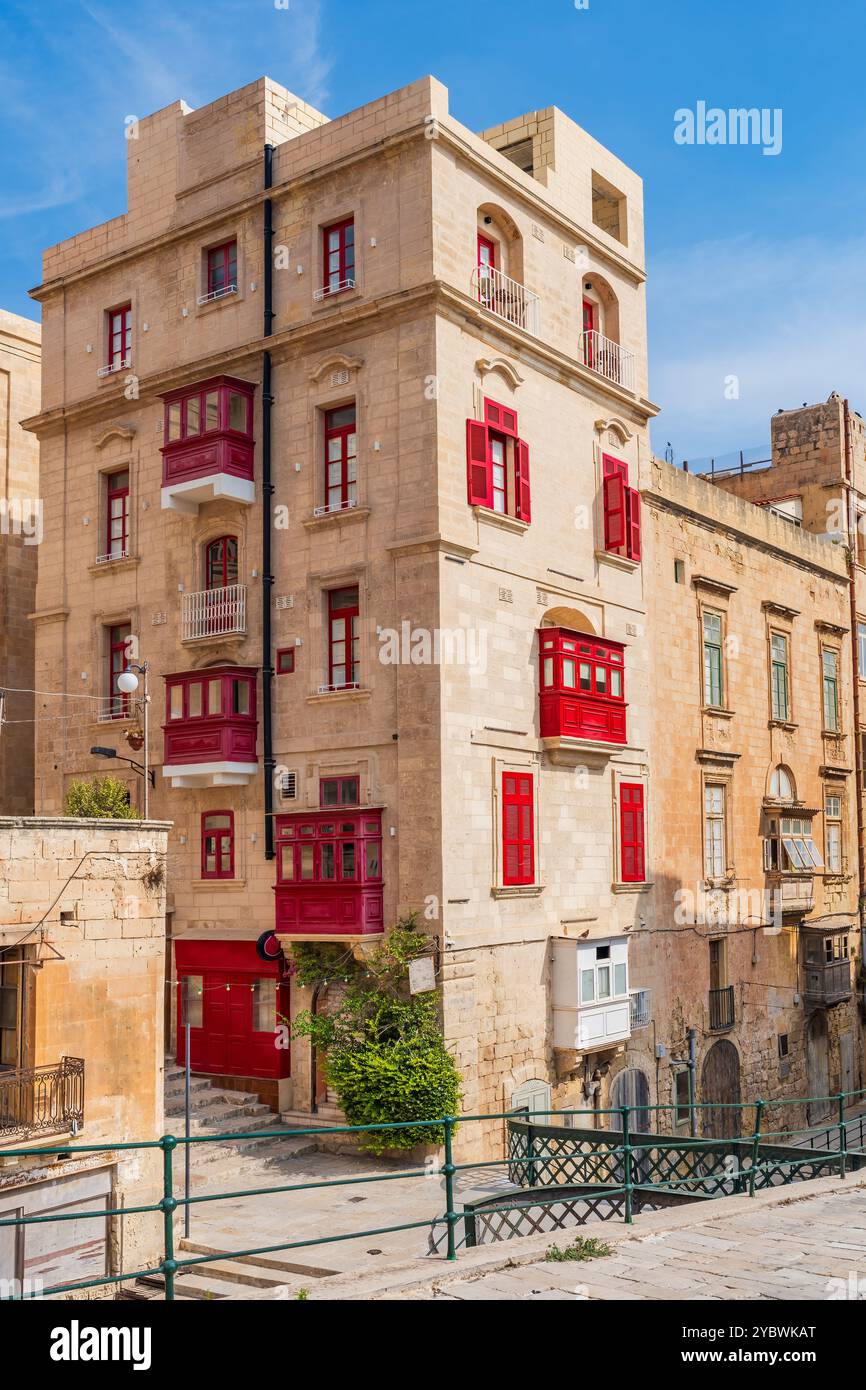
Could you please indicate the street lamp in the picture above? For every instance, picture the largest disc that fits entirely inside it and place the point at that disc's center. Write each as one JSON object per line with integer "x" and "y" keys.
{"x": 127, "y": 684}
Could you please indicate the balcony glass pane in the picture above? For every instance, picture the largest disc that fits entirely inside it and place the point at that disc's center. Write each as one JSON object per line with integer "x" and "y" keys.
{"x": 241, "y": 697}
{"x": 195, "y": 694}
{"x": 587, "y": 986}
{"x": 347, "y": 860}
{"x": 307, "y": 862}
{"x": 327, "y": 862}
{"x": 287, "y": 863}
{"x": 193, "y": 416}
{"x": 373, "y": 858}
{"x": 176, "y": 702}
{"x": 585, "y": 676}
{"x": 174, "y": 420}
{"x": 619, "y": 979}
{"x": 568, "y": 672}
{"x": 604, "y": 982}
{"x": 214, "y": 697}
{"x": 237, "y": 412}
{"x": 616, "y": 683}
{"x": 211, "y": 410}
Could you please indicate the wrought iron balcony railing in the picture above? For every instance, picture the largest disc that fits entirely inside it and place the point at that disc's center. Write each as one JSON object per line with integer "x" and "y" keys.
{"x": 607, "y": 358}
{"x": 507, "y": 299}
{"x": 214, "y": 612}
{"x": 722, "y": 1008}
{"x": 42, "y": 1100}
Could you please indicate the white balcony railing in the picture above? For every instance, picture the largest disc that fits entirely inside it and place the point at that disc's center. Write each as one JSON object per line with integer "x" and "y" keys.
{"x": 121, "y": 365}
{"x": 214, "y": 612}
{"x": 607, "y": 358}
{"x": 507, "y": 299}
{"x": 230, "y": 288}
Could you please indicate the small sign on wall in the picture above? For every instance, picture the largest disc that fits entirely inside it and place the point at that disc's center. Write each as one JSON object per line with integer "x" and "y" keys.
{"x": 422, "y": 975}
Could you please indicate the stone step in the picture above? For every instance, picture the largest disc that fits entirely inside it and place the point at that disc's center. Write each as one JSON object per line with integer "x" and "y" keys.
{"x": 245, "y": 1273}
{"x": 205, "y": 1155}
{"x": 218, "y": 1111}
{"x": 236, "y": 1165}
{"x": 239, "y": 1122}
{"x": 188, "y": 1286}
{"x": 275, "y": 1262}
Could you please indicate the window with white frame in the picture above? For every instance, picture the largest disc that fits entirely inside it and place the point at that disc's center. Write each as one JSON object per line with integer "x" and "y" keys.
{"x": 601, "y": 976}
{"x": 833, "y": 833}
{"x": 789, "y": 846}
{"x": 714, "y": 830}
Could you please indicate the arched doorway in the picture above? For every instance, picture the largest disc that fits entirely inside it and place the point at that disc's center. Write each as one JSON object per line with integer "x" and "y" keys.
{"x": 720, "y": 1091}
{"x": 630, "y": 1087}
{"x": 818, "y": 1068}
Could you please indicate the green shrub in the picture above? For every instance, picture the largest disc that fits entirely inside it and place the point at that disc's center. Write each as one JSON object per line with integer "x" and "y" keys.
{"x": 385, "y": 1055}
{"x": 104, "y": 798}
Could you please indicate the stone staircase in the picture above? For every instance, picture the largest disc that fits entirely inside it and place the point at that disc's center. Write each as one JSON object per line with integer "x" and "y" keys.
{"x": 226, "y": 1165}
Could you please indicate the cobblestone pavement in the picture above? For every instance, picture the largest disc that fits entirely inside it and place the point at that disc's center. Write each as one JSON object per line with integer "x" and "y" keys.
{"x": 806, "y": 1249}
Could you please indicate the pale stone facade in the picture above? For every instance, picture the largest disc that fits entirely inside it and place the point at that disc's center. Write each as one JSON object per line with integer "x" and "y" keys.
{"x": 417, "y": 343}
{"x": 82, "y": 951}
{"x": 19, "y": 548}
{"x": 707, "y": 553}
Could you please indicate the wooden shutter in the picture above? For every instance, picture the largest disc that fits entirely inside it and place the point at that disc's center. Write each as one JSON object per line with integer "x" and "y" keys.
{"x": 480, "y": 474}
{"x": 632, "y": 499}
{"x": 610, "y": 465}
{"x": 521, "y": 480}
{"x": 518, "y": 831}
{"x": 631, "y": 832}
{"x": 500, "y": 417}
{"x": 614, "y": 512}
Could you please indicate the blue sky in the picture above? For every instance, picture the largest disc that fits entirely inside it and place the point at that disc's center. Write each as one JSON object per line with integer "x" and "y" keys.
{"x": 757, "y": 264}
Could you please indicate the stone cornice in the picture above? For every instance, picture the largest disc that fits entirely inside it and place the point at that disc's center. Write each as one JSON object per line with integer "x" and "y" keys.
{"x": 535, "y": 199}
{"x": 334, "y": 329}
{"x": 651, "y": 498}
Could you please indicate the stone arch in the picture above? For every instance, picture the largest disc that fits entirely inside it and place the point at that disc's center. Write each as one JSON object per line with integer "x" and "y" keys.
{"x": 496, "y": 223}
{"x": 600, "y": 292}
{"x": 572, "y": 618}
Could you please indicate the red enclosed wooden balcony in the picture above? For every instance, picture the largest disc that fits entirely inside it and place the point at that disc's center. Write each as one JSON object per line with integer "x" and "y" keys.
{"x": 329, "y": 875}
{"x": 581, "y": 690}
{"x": 208, "y": 446}
{"x": 210, "y": 728}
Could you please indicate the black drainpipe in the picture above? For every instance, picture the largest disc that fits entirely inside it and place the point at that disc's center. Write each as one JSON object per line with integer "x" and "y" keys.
{"x": 267, "y": 494}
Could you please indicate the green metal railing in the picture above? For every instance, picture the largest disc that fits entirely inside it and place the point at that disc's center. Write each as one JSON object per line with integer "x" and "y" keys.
{"x": 768, "y": 1165}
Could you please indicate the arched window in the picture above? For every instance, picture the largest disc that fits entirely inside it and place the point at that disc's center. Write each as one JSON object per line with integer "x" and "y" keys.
{"x": 221, "y": 562}
{"x": 782, "y": 786}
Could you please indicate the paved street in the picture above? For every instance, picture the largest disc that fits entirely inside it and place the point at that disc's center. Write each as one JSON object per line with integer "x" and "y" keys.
{"x": 780, "y": 1246}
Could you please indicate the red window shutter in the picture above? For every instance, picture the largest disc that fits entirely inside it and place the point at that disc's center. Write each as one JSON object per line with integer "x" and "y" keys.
{"x": 610, "y": 465}
{"x": 521, "y": 480}
{"x": 614, "y": 512}
{"x": 632, "y": 498}
{"x": 501, "y": 417}
{"x": 631, "y": 832}
{"x": 518, "y": 831}
{"x": 478, "y": 468}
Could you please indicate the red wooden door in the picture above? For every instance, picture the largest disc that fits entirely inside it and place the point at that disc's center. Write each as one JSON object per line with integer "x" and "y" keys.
{"x": 486, "y": 252}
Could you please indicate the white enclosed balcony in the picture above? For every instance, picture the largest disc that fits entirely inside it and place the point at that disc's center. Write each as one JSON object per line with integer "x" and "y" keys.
{"x": 607, "y": 358}
{"x": 214, "y": 613}
{"x": 507, "y": 299}
{"x": 590, "y": 994}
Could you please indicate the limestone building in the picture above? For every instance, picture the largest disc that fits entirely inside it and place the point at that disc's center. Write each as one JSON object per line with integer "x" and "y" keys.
{"x": 341, "y": 427}
{"x": 82, "y": 951}
{"x": 20, "y": 529}
{"x": 755, "y": 943}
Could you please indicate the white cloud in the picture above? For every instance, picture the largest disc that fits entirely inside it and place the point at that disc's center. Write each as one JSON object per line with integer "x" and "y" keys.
{"x": 787, "y": 319}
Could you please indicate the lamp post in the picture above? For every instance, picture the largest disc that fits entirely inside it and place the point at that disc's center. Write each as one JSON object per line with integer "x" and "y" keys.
{"x": 127, "y": 684}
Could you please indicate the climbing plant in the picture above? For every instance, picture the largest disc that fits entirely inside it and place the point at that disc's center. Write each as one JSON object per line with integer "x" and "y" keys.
{"x": 384, "y": 1052}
